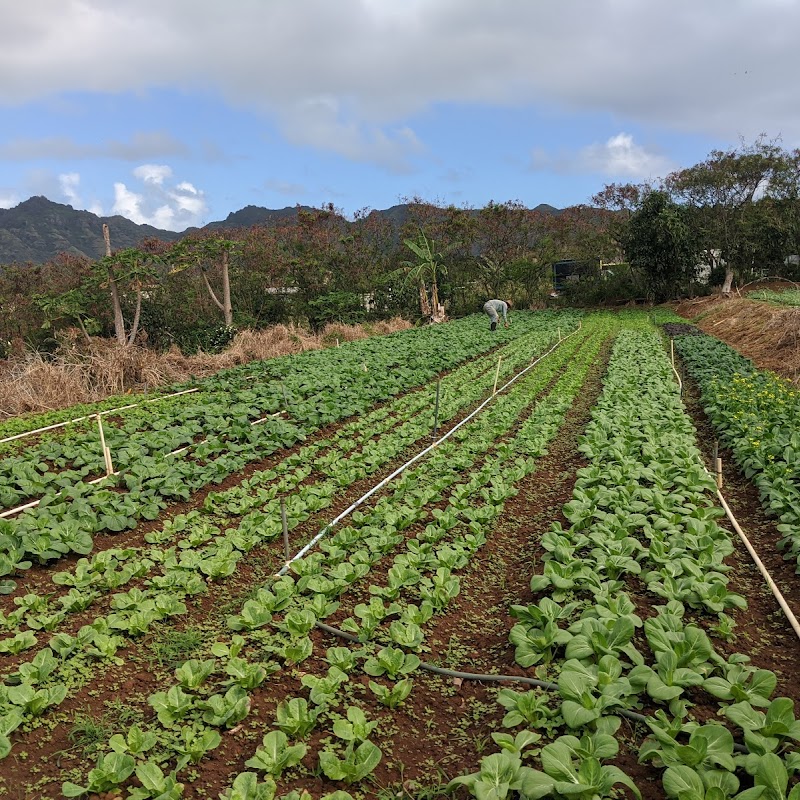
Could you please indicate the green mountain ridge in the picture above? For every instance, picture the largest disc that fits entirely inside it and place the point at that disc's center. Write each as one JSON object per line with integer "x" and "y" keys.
{"x": 38, "y": 229}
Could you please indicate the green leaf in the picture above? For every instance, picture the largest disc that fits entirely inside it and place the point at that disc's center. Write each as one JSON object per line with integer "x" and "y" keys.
{"x": 682, "y": 780}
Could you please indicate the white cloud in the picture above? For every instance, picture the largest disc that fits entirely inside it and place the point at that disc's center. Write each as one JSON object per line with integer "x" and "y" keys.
{"x": 618, "y": 157}
{"x": 69, "y": 182}
{"x": 153, "y": 173}
{"x": 718, "y": 67}
{"x": 322, "y": 122}
{"x": 157, "y": 203}
{"x": 286, "y": 187}
{"x": 128, "y": 204}
{"x": 345, "y": 76}
{"x": 8, "y": 198}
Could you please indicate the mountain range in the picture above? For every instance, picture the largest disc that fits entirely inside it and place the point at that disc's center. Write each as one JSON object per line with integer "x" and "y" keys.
{"x": 38, "y": 229}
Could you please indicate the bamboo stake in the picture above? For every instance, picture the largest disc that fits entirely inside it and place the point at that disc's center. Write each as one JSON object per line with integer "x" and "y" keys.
{"x": 718, "y": 468}
{"x": 672, "y": 351}
{"x": 106, "y": 451}
{"x": 496, "y": 376}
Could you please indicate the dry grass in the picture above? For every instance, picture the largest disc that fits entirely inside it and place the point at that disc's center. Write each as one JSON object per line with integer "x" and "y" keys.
{"x": 79, "y": 373}
{"x": 767, "y": 334}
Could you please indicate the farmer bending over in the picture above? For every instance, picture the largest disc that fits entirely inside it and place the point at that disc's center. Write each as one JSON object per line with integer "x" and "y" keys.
{"x": 495, "y": 307}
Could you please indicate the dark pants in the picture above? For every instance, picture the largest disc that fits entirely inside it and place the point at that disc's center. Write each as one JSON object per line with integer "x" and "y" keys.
{"x": 493, "y": 326}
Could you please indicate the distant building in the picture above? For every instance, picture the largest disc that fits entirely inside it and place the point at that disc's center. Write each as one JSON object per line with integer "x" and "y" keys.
{"x": 564, "y": 272}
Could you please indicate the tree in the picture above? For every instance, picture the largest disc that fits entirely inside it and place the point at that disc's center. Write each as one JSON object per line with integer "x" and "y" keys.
{"x": 723, "y": 192}
{"x": 505, "y": 240}
{"x": 210, "y": 253}
{"x": 428, "y": 267}
{"x": 659, "y": 244}
{"x": 72, "y": 305}
{"x": 127, "y": 268}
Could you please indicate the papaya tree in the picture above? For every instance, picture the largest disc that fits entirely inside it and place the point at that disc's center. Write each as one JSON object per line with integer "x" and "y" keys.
{"x": 209, "y": 255}
{"x": 120, "y": 272}
{"x": 72, "y": 305}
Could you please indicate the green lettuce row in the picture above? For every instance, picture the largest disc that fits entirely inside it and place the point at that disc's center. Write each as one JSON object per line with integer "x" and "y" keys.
{"x": 757, "y": 415}
{"x": 65, "y": 522}
{"x": 112, "y": 569}
{"x": 64, "y": 459}
{"x": 135, "y": 611}
{"x": 642, "y": 510}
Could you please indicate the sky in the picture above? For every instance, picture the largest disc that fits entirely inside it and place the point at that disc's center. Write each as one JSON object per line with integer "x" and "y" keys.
{"x": 179, "y": 112}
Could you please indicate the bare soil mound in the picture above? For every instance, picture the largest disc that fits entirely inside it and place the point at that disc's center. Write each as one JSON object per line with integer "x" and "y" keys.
{"x": 768, "y": 334}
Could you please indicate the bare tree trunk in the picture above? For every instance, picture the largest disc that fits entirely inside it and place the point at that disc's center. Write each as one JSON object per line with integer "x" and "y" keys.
{"x": 437, "y": 314}
{"x": 214, "y": 297}
{"x": 136, "y": 316}
{"x": 227, "y": 309}
{"x": 728, "y": 284}
{"x": 119, "y": 322}
{"x": 83, "y": 330}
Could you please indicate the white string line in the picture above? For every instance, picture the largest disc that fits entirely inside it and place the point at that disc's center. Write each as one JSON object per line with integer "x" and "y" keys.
{"x": 89, "y": 416}
{"x": 413, "y": 460}
{"x": 102, "y": 478}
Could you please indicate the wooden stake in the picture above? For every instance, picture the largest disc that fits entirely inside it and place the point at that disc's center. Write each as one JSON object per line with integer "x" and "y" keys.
{"x": 106, "y": 451}
{"x": 496, "y": 375}
{"x": 559, "y": 335}
{"x": 672, "y": 351}
{"x": 718, "y": 467}
{"x": 365, "y": 366}
{"x": 285, "y": 526}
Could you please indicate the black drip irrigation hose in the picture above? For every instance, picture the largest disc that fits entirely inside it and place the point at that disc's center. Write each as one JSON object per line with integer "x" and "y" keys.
{"x": 474, "y": 676}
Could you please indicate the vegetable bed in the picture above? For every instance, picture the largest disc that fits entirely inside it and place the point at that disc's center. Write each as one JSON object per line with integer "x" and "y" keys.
{"x": 566, "y": 537}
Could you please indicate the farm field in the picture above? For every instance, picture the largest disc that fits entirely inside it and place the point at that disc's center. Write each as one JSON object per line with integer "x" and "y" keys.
{"x": 546, "y": 603}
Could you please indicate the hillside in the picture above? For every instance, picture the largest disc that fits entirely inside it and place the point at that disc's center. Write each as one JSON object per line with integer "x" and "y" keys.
{"x": 765, "y": 333}
{"x": 38, "y": 229}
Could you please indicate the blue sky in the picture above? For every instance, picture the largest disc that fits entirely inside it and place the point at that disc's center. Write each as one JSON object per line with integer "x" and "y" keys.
{"x": 178, "y": 112}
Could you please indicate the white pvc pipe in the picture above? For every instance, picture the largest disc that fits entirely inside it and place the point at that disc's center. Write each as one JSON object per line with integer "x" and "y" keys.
{"x": 34, "y": 503}
{"x": 757, "y": 561}
{"x": 88, "y": 416}
{"x": 761, "y": 568}
{"x": 413, "y": 460}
